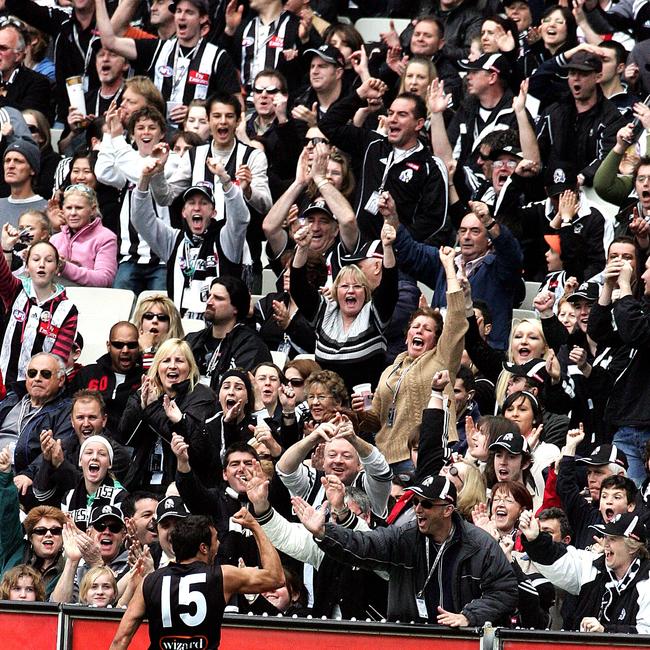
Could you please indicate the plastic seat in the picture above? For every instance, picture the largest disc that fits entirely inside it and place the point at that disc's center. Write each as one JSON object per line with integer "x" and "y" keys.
{"x": 371, "y": 28}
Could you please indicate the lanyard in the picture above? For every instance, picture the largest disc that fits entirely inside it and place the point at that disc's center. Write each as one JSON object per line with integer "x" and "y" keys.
{"x": 395, "y": 391}
{"x": 178, "y": 75}
{"x": 393, "y": 160}
{"x": 88, "y": 53}
{"x": 436, "y": 560}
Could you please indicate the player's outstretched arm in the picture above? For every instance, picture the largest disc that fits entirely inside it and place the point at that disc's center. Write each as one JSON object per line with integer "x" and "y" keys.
{"x": 130, "y": 621}
{"x": 254, "y": 581}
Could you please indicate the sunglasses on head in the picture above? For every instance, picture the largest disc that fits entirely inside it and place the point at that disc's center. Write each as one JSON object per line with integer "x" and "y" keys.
{"x": 149, "y": 315}
{"x": 42, "y": 530}
{"x": 427, "y": 504}
{"x": 113, "y": 526}
{"x": 120, "y": 345}
{"x": 297, "y": 382}
{"x": 315, "y": 140}
{"x": 45, "y": 373}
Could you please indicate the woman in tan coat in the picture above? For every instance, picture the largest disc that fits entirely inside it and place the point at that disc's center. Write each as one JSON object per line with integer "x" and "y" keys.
{"x": 405, "y": 386}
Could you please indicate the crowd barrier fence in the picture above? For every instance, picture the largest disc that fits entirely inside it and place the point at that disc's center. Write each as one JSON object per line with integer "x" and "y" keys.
{"x": 45, "y": 626}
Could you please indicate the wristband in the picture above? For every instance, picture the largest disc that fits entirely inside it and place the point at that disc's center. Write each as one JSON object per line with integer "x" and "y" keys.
{"x": 321, "y": 184}
{"x": 437, "y": 393}
{"x": 289, "y": 416}
{"x": 343, "y": 511}
{"x": 491, "y": 224}
{"x": 11, "y": 250}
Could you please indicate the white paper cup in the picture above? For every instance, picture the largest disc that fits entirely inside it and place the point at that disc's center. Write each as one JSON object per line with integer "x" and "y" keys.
{"x": 366, "y": 391}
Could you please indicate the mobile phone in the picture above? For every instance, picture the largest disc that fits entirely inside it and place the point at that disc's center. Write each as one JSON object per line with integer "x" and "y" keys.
{"x": 637, "y": 127}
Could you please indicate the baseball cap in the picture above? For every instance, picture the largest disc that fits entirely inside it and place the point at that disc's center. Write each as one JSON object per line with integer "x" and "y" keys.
{"x": 490, "y": 62}
{"x": 513, "y": 443}
{"x": 319, "y": 205}
{"x": 202, "y": 5}
{"x": 585, "y": 61}
{"x": 508, "y": 149}
{"x": 435, "y": 487}
{"x": 171, "y": 507}
{"x": 626, "y": 524}
{"x": 604, "y": 455}
{"x": 369, "y": 250}
{"x": 560, "y": 176}
{"x": 586, "y": 291}
{"x": 535, "y": 369}
{"x": 328, "y": 53}
{"x": 203, "y": 187}
{"x": 102, "y": 512}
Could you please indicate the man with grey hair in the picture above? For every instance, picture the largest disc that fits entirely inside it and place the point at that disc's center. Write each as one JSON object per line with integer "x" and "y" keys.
{"x": 20, "y": 86}
{"x": 25, "y": 412}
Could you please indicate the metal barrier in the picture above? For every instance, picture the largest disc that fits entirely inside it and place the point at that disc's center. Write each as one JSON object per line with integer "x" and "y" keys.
{"x": 44, "y": 626}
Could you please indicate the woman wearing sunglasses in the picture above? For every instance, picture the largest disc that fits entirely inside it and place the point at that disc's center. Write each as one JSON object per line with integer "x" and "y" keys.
{"x": 38, "y": 540}
{"x": 39, "y": 315}
{"x": 170, "y": 400}
{"x": 157, "y": 320}
{"x": 87, "y": 248}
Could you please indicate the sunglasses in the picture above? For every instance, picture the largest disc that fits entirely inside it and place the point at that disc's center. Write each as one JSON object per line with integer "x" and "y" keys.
{"x": 269, "y": 90}
{"x": 120, "y": 345}
{"x": 42, "y": 530}
{"x": 314, "y": 141}
{"x": 297, "y": 382}
{"x": 114, "y": 526}
{"x": 149, "y": 315}
{"x": 427, "y": 504}
{"x": 33, "y": 128}
{"x": 33, "y": 372}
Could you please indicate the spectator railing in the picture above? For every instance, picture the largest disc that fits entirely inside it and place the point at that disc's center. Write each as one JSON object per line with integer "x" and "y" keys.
{"x": 44, "y": 626}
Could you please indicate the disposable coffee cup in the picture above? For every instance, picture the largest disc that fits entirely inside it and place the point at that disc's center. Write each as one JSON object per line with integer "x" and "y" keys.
{"x": 75, "y": 87}
{"x": 365, "y": 390}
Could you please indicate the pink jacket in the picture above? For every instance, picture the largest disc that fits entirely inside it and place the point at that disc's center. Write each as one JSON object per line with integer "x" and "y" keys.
{"x": 91, "y": 254}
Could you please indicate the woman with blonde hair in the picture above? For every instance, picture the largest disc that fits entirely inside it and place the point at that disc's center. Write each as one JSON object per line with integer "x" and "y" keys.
{"x": 98, "y": 588}
{"x": 157, "y": 320}
{"x": 170, "y": 400}
{"x": 88, "y": 249}
{"x": 350, "y": 328}
{"x": 23, "y": 583}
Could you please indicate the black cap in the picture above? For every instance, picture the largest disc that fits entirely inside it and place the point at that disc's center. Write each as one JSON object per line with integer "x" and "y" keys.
{"x": 328, "y": 53}
{"x": 604, "y": 455}
{"x": 202, "y": 187}
{"x": 585, "y": 61}
{"x": 560, "y": 176}
{"x": 319, "y": 205}
{"x": 507, "y": 3}
{"x": 435, "y": 487}
{"x": 513, "y": 443}
{"x": 509, "y": 149}
{"x": 202, "y": 5}
{"x": 588, "y": 291}
{"x": 534, "y": 369}
{"x": 490, "y": 62}
{"x": 370, "y": 250}
{"x": 626, "y": 524}
{"x": 102, "y": 512}
{"x": 171, "y": 507}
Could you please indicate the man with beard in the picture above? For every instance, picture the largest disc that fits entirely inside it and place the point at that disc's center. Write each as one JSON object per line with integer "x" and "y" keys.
{"x": 205, "y": 248}
{"x": 228, "y": 343}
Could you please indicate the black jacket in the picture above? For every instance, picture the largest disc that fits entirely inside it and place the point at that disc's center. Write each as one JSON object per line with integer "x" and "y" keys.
{"x": 241, "y": 348}
{"x": 100, "y": 376}
{"x": 28, "y": 89}
{"x": 483, "y": 585}
{"x": 141, "y": 428}
{"x": 417, "y": 183}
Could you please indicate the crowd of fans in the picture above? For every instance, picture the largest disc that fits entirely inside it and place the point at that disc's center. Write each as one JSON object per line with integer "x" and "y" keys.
{"x": 474, "y": 467}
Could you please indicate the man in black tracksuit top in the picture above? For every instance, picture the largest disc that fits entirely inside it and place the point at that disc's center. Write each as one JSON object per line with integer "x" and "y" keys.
{"x": 397, "y": 163}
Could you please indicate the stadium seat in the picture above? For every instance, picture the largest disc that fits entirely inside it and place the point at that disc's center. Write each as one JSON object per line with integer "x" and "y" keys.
{"x": 55, "y": 136}
{"x": 279, "y": 358}
{"x": 532, "y": 289}
{"x": 268, "y": 281}
{"x": 146, "y": 294}
{"x": 192, "y": 325}
{"x": 98, "y": 310}
{"x": 520, "y": 314}
{"x": 370, "y": 28}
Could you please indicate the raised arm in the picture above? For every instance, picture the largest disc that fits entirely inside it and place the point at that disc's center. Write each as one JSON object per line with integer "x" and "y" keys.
{"x": 118, "y": 44}
{"x": 437, "y": 103}
{"x": 527, "y": 136}
{"x": 254, "y": 581}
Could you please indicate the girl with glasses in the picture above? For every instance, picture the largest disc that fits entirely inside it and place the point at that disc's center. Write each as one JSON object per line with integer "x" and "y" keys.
{"x": 39, "y": 317}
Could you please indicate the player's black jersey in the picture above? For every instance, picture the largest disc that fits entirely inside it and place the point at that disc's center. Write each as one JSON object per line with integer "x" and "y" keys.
{"x": 184, "y": 605}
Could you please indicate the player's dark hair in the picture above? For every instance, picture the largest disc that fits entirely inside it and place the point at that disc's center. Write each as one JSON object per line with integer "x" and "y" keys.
{"x": 189, "y": 534}
{"x": 128, "y": 505}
